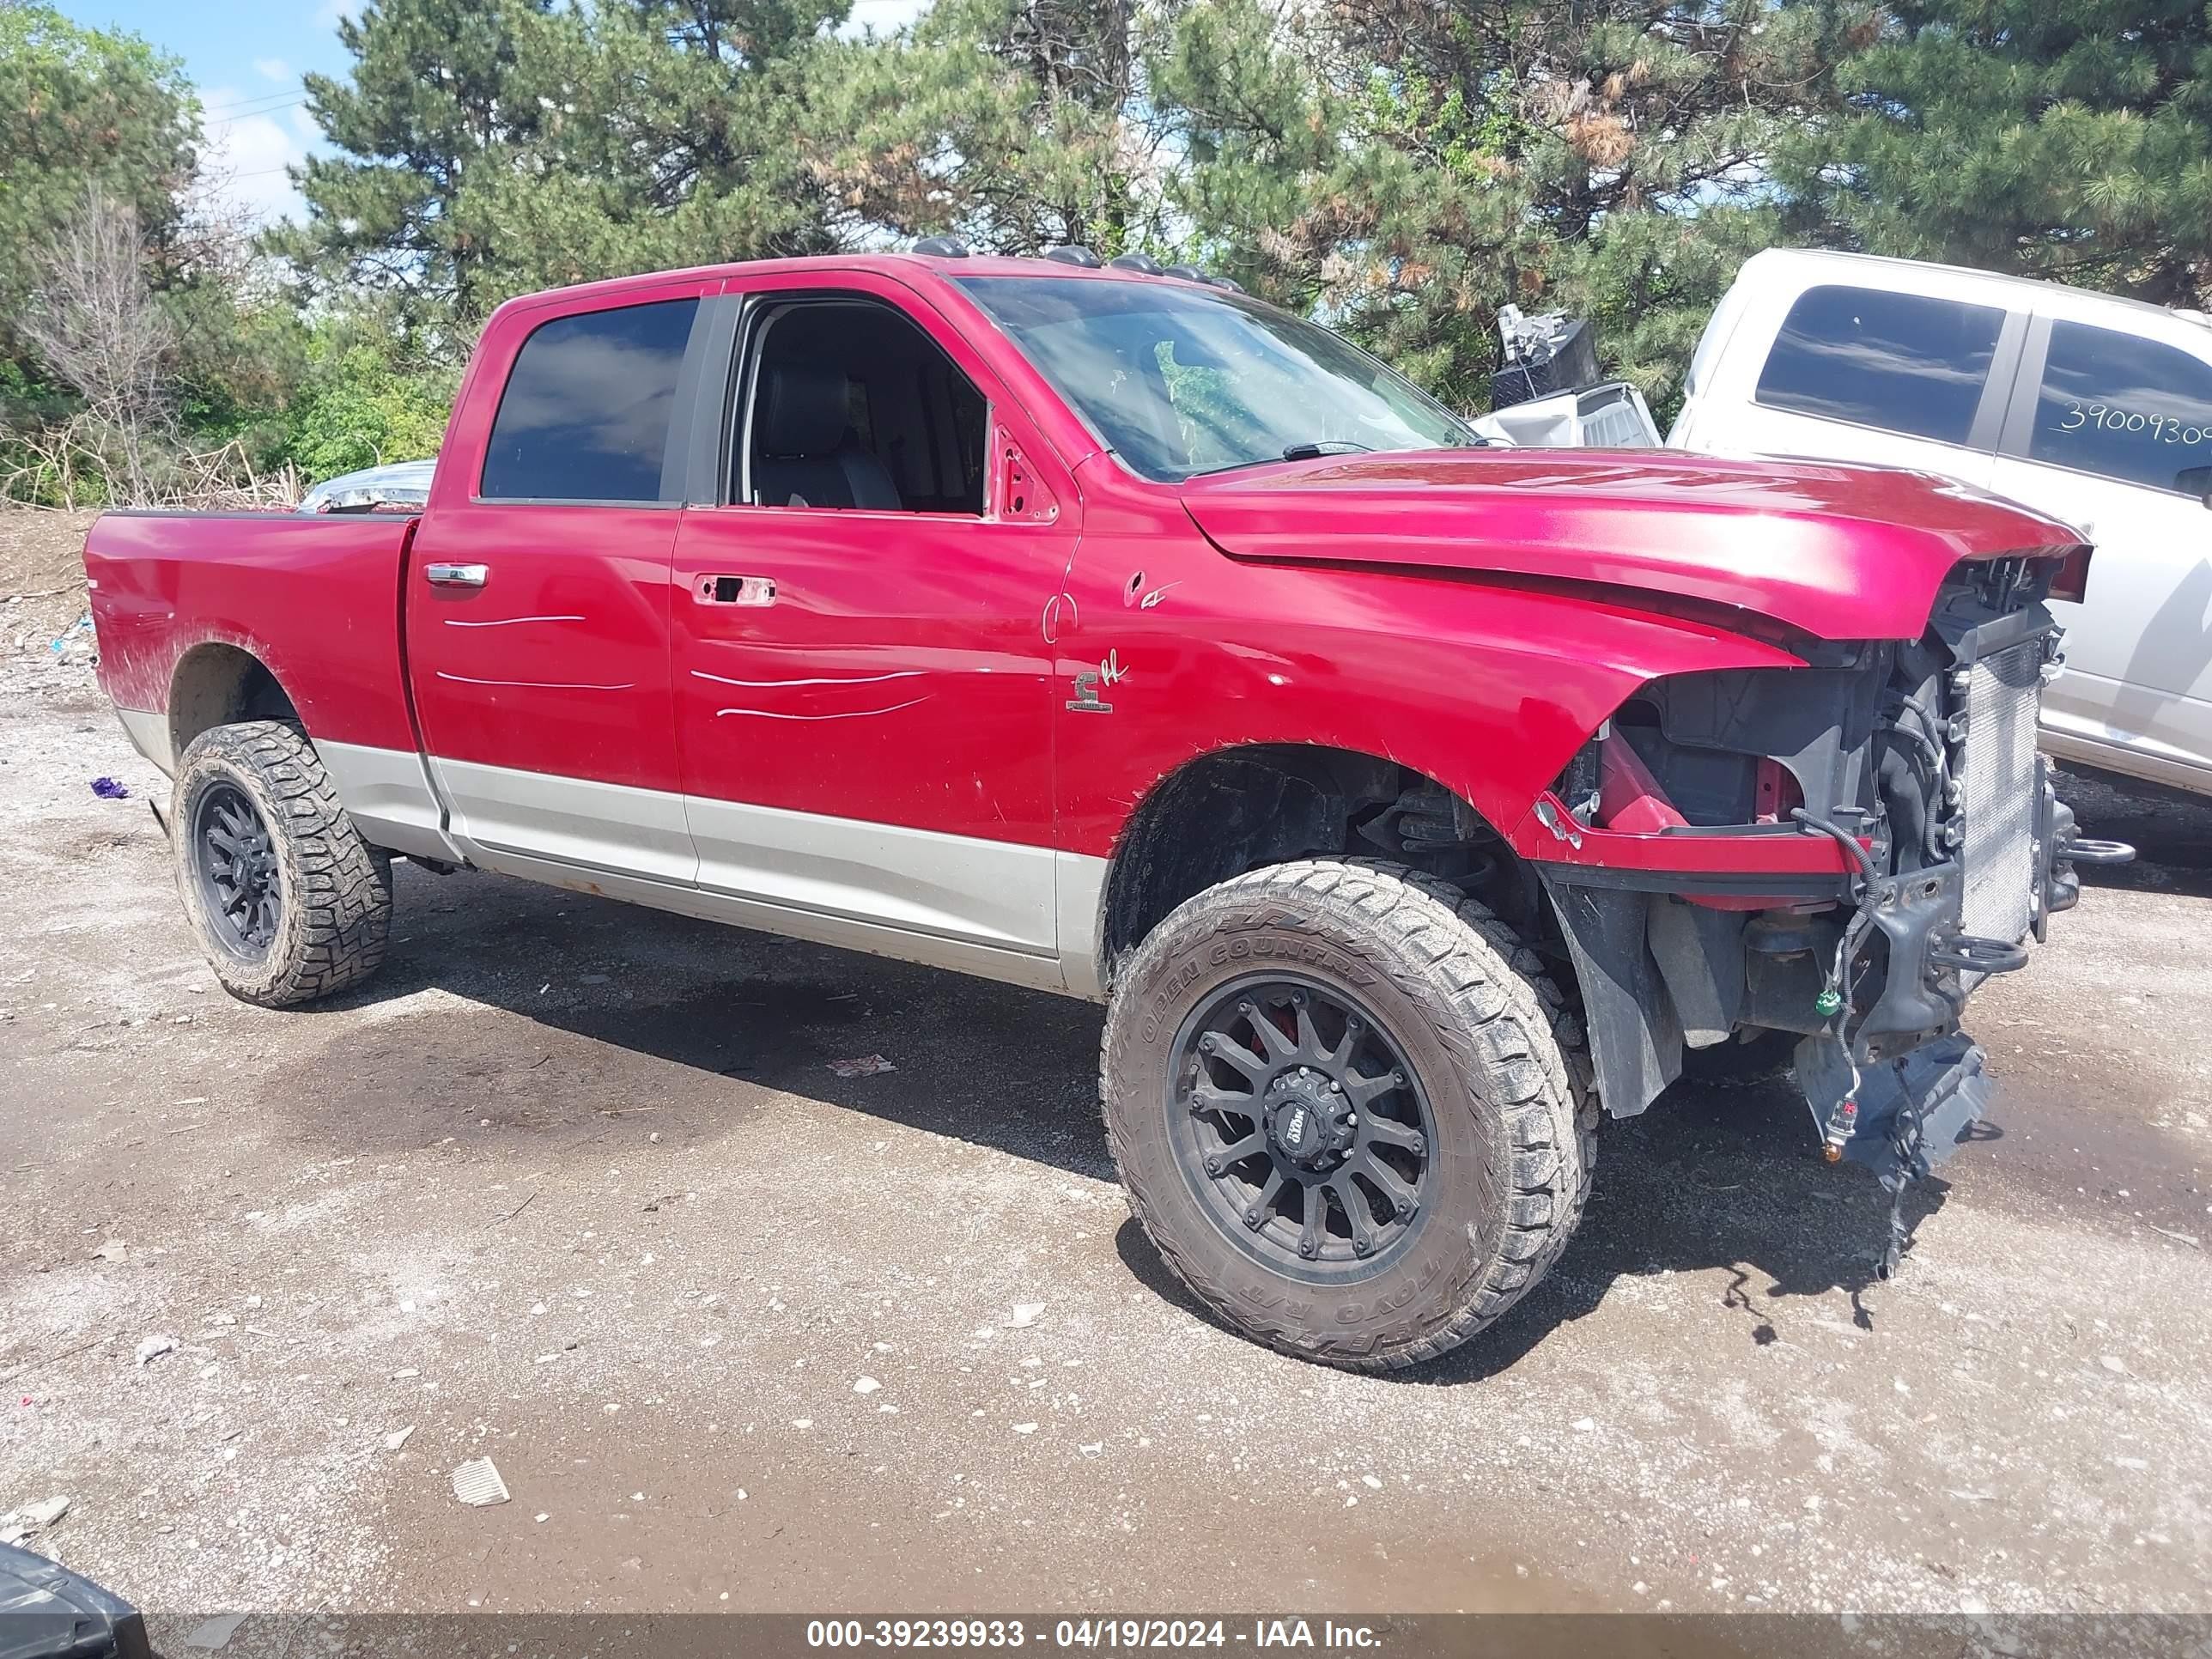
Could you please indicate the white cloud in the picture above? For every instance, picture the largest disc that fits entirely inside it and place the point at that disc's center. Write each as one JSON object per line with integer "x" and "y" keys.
{"x": 273, "y": 68}
{"x": 881, "y": 16}
{"x": 246, "y": 156}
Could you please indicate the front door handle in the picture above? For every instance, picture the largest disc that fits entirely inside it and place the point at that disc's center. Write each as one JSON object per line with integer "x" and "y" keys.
{"x": 734, "y": 590}
{"x": 457, "y": 575}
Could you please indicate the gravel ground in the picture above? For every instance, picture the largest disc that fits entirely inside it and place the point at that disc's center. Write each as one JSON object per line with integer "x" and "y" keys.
{"x": 576, "y": 1187}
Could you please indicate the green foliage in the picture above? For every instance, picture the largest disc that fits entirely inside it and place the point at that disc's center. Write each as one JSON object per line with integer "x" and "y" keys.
{"x": 2058, "y": 138}
{"x": 357, "y": 408}
{"x": 488, "y": 149}
{"x": 1400, "y": 168}
{"x": 1015, "y": 126}
{"x": 1404, "y": 170}
{"x": 83, "y": 110}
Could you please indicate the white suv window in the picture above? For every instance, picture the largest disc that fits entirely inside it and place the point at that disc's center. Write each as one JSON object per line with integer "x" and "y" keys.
{"x": 2123, "y": 407}
{"x": 1901, "y": 362}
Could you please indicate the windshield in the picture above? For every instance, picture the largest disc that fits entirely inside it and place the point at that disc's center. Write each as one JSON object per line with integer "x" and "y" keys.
{"x": 1179, "y": 381}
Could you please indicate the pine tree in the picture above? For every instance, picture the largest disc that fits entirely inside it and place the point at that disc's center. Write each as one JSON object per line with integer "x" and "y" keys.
{"x": 436, "y": 92}
{"x": 1015, "y": 124}
{"x": 2059, "y": 138}
{"x": 488, "y": 149}
{"x": 1405, "y": 167}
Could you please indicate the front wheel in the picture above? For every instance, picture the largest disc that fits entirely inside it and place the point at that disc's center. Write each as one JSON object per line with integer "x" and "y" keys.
{"x": 1351, "y": 1111}
{"x": 290, "y": 903}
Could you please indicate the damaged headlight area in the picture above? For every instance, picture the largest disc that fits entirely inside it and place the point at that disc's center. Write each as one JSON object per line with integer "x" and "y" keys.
{"x": 1918, "y": 760}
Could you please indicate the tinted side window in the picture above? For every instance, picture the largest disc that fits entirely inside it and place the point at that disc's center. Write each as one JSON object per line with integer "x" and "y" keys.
{"x": 1900, "y": 361}
{"x": 2129, "y": 409}
{"x": 586, "y": 414}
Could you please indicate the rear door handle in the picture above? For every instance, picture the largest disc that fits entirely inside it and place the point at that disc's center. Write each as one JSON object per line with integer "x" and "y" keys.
{"x": 457, "y": 575}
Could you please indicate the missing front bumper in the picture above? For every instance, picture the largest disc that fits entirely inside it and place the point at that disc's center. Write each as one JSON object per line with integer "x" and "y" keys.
{"x": 1913, "y": 1112}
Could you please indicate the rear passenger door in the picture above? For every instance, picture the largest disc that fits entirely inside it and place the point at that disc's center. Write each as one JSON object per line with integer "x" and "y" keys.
{"x": 2112, "y": 433}
{"x": 537, "y": 606}
{"x": 1864, "y": 374}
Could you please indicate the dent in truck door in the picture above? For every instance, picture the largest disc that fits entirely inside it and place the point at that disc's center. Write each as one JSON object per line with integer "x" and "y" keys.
{"x": 864, "y": 708}
{"x": 537, "y": 595}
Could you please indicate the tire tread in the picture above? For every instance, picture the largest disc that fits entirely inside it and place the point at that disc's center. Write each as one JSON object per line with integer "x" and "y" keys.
{"x": 1452, "y": 954}
{"x": 340, "y": 886}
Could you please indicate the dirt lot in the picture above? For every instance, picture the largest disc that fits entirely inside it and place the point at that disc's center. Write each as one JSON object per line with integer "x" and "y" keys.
{"x": 576, "y": 1187}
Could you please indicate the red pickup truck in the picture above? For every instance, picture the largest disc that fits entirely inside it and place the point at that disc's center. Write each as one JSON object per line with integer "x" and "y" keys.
{"x": 1100, "y": 630}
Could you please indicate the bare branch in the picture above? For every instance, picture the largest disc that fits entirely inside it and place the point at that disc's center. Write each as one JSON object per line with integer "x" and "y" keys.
{"x": 94, "y": 319}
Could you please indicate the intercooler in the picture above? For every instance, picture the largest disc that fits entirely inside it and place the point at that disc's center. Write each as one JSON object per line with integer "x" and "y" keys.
{"x": 1997, "y": 804}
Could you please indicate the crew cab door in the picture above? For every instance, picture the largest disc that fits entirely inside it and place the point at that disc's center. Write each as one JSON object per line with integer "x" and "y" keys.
{"x": 2112, "y": 432}
{"x": 864, "y": 707}
{"x": 537, "y": 603}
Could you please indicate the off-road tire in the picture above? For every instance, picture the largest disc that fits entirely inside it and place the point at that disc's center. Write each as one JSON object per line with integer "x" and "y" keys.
{"x": 1499, "y": 1056}
{"x": 335, "y": 911}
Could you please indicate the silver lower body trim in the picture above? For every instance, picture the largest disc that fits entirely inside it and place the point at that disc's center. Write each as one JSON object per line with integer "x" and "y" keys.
{"x": 1079, "y": 889}
{"x": 149, "y": 736}
{"x": 387, "y": 793}
{"x": 996, "y": 894}
{"x": 2083, "y": 745}
{"x": 1041, "y": 973}
{"x": 498, "y": 812}
{"x": 1004, "y": 910}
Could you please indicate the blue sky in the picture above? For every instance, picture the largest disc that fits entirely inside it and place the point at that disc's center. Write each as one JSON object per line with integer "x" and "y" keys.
{"x": 247, "y": 56}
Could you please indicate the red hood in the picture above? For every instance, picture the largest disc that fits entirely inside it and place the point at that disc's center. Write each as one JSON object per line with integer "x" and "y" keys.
{"x": 1839, "y": 552}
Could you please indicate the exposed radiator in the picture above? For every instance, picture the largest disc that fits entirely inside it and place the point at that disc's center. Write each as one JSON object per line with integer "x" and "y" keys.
{"x": 1998, "y": 793}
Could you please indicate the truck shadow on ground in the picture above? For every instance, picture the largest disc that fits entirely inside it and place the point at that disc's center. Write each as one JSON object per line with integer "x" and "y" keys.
{"x": 2170, "y": 830}
{"x": 632, "y": 1012}
{"x": 1725, "y": 1179}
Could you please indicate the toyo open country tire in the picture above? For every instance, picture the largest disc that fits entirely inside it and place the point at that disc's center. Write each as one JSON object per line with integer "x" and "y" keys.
{"x": 1472, "y": 1167}
{"x": 289, "y": 903}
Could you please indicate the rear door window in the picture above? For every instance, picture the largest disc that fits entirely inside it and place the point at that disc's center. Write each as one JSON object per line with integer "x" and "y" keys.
{"x": 2123, "y": 407}
{"x": 1900, "y": 362}
{"x": 588, "y": 405}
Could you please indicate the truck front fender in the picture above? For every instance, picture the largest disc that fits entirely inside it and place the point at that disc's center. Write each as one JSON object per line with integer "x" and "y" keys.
{"x": 1486, "y": 688}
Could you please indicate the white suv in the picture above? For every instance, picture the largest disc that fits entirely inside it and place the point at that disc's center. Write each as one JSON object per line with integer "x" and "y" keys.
{"x": 2094, "y": 410}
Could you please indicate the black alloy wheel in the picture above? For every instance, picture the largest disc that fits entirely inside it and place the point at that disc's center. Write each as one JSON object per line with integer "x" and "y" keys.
{"x": 1300, "y": 1127}
{"x": 239, "y": 876}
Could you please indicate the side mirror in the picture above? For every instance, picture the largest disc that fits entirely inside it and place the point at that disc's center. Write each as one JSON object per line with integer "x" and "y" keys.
{"x": 2196, "y": 481}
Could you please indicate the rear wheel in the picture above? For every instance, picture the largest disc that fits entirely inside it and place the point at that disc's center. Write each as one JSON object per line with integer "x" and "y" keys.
{"x": 290, "y": 904}
{"x": 1351, "y": 1111}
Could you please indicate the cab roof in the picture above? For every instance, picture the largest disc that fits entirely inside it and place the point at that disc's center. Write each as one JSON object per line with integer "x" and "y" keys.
{"x": 907, "y": 265}
{"x": 1899, "y": 273}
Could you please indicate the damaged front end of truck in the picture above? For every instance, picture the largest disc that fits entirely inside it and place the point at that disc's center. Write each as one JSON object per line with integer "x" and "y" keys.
{"x": 1916, "y": 761}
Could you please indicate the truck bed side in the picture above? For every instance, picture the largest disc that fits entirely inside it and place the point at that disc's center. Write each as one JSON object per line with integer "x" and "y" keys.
{"x": 314, "y": 600}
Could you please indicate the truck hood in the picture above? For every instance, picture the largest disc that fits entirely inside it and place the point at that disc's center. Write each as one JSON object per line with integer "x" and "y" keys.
{"x": 1837, "y": 552}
